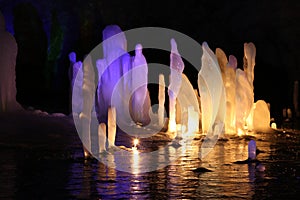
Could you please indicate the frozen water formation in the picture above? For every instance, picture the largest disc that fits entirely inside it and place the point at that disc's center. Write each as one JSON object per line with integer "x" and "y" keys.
{"x": 212, "y": 93}
{"x": 76, "y": 83}
{"x": 122, "y": 80}
{"x": 8, "y": 55}
{"x": 140, "y": 99}
{"x": 122, "y": 101}
{"x": 176, "y": 67}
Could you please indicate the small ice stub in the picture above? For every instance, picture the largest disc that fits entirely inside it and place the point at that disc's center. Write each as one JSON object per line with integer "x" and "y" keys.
{"x": 252, "y": 150}
{"x": 261, "y": 116}
{"x": 161, "y": 100}
{"x": 102, "y": 137}
{"x": 274, "y": 125}
{"x": 112, "y": 126}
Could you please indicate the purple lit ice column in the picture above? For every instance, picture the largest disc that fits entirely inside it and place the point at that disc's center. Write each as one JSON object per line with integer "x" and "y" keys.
{"x": 176, "y": 67}
{"x": 139, "y": 80}
{"x": 76, "y": 83}
{"x": 115, "y": 63}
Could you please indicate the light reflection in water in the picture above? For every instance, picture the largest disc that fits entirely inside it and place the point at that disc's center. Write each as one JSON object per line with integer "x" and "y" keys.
{"x": 93, "y": 180}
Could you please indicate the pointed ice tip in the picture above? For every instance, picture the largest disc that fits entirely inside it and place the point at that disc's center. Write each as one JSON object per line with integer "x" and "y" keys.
{"x": 173, "y": 46}
{"x": 232, "y": 61}
{"x": 205, "y": 47}
{"x": 205, "y": 44}
{"x": 138, "y": 47}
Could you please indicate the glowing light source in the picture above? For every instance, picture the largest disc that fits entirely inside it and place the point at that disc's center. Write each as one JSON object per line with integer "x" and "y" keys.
{"x": 172, "y": 125}
{"x": 135, "y": 142}
{"x": 240, "y": 132}
{"x": 134, "y": 148}
{"x": 273, "y": 125}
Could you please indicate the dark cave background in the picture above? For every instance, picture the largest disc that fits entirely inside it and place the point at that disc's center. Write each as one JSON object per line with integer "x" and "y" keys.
{"x": 47, "y": 31}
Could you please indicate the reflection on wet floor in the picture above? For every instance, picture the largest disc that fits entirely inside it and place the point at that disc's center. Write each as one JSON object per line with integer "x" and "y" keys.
{"x": 24, "y": 176}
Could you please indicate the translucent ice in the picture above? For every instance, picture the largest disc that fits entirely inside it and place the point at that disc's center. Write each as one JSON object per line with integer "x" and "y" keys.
{"x": 228, "y": 76}
{"x": 115, "y": 63}
{"x": 189, "y": 106}
{"x": 76, "y": 84}
{"x": 102, "y": 137}
{"x": 88, "y": 91}
{"x": 176, "y": 67}
{"x": 261, "y": 116}
{"x": 112, "y": 126}
{"x": 244, "y": 99}
{"x": 230, "y": 88}
{"x": 139, "y": 106}
{"x": 212, "y": 93}
{"x": 249, "y": 61}
{"x": 161, "y": 100}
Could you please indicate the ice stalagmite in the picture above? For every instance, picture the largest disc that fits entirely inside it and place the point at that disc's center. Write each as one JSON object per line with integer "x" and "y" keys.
{"x": 261, "y": 116}
{"x": 102, "y": 137}
{"x": 76, "y": 84}
{"x": 249, "y": 61}
{"x": 176, "y": 67}
{"x": 230, "y": 88}
{"x": 189, "y": 107}
{"x": 212, "y": 97}
{"x": 212, "y": 92}
{"x": 8, "y": 55}
{"x": 139, "y": 106}
{"x": 161, "y": 100}
{"x": 244, "y": 100}
{"x": 112, "y": 126}
{"x": 222, "y": 60}
{"x": 88, "y": 91}
{"x": 115, "y": 63}
{"x": 228, "y": 70}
